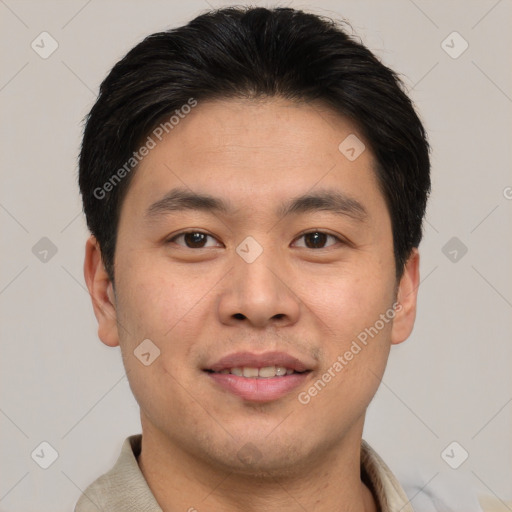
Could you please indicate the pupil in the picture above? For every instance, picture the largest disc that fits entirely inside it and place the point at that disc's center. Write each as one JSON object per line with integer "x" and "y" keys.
{"x": 195, "y": 239}
{"x": 313, "y": 240}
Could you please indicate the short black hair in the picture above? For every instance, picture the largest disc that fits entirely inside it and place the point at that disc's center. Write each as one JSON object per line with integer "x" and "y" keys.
{"x": 244, "y": 52}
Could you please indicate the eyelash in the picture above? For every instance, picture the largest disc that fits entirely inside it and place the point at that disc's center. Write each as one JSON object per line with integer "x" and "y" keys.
{"x": 338, "y": 239}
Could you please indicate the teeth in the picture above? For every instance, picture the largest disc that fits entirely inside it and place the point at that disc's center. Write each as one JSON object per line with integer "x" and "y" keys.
{"x": 262, "y": 373}
{"x": 268, "y": 371}
{"x": 250, "y": 372}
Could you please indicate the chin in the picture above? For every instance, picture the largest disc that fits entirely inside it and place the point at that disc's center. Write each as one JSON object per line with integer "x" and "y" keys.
{"x": 261, "y": 459}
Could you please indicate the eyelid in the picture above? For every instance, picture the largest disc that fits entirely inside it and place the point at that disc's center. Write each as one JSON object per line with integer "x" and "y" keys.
{"x": 339, "y": 239}
{"x": 171, "y": 238}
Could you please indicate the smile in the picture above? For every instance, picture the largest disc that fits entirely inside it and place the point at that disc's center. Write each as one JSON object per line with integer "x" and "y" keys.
{"x": 266, "y": 372}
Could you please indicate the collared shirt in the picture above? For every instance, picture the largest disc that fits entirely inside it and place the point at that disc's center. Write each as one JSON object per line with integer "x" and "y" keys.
{"x": 124, "y": 488}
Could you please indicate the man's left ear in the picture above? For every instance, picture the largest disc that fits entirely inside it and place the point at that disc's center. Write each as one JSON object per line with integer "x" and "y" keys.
{"x": 405, "y": 315}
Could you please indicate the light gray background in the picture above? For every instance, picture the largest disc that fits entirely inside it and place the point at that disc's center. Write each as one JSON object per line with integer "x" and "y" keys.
{"x": 451, "y": 381}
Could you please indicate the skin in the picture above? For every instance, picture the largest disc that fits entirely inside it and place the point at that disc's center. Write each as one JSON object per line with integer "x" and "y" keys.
{"x": 200, "y": 304}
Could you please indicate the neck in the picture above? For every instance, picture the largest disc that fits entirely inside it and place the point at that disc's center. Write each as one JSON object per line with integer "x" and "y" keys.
{"x": 179, "y": 481}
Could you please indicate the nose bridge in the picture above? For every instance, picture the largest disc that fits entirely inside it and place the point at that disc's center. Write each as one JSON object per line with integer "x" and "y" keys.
{"x": 257, "y": 292}
{"x": 257, "y": 278}
{"x": 256, "y": 285}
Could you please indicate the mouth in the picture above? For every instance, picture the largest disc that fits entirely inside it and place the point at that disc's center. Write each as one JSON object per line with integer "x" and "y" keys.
{"x": 248, "y": 372}
{"x": 258, "y": 377}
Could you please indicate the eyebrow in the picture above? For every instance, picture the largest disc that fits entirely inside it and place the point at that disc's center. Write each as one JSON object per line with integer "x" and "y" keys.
{"x": 325, "y": 200}
{"x": 180, "y": 198}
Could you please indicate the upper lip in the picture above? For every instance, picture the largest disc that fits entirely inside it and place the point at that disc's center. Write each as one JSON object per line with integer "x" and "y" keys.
{"x": 252, "y": 360}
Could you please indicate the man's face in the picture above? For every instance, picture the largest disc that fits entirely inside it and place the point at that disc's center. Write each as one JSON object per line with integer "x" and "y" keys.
{"x": 311, "y": 277}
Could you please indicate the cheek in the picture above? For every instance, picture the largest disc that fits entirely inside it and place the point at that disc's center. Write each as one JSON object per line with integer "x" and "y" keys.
{"x": 347, "y": 303}
{"x": 152, "y": 297}
{"x": 163, "y": 305}
{"x": 356, "y": 340}
{"x": 152, "y": 306}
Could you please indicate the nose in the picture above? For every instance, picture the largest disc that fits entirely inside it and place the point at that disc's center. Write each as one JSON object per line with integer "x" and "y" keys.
{"x": 259, "y": 294}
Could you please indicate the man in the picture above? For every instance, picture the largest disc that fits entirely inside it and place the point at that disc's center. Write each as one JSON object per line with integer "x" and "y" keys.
{"x": 255, "y": 184}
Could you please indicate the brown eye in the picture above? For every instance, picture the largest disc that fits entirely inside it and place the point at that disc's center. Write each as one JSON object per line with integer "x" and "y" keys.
{"x": 193, "y": 240}
{"x": 317, "y": 240}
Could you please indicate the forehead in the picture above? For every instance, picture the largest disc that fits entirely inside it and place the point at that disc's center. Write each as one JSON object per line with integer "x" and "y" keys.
{"x": 256, "y": 150}
{"x": 276, "y": 130}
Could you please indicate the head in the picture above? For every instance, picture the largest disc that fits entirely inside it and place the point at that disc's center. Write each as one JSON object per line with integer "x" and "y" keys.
{"x": 278, "y": 126}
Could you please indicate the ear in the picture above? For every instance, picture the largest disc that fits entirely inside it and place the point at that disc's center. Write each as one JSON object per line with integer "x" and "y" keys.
{"x": 102, "y": 293}
{"x": 403, "y": 322}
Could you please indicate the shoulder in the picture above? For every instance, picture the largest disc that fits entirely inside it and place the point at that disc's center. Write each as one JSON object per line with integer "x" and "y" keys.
{"x": 121, "y": 488}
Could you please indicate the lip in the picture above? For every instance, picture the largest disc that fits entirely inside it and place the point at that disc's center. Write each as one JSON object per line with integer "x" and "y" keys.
{"x": 259, "y": 389}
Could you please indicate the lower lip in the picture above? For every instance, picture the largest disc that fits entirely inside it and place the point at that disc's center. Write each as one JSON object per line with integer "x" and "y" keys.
{"x": 259, "y": 390}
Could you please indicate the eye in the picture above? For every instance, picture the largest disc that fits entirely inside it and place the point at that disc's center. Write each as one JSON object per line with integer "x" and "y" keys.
{"x": 317, "y": 240}
{"x": 193, "y": 240}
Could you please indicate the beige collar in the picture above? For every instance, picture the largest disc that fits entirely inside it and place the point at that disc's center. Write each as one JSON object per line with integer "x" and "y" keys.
{"x": 124, "y": 487}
